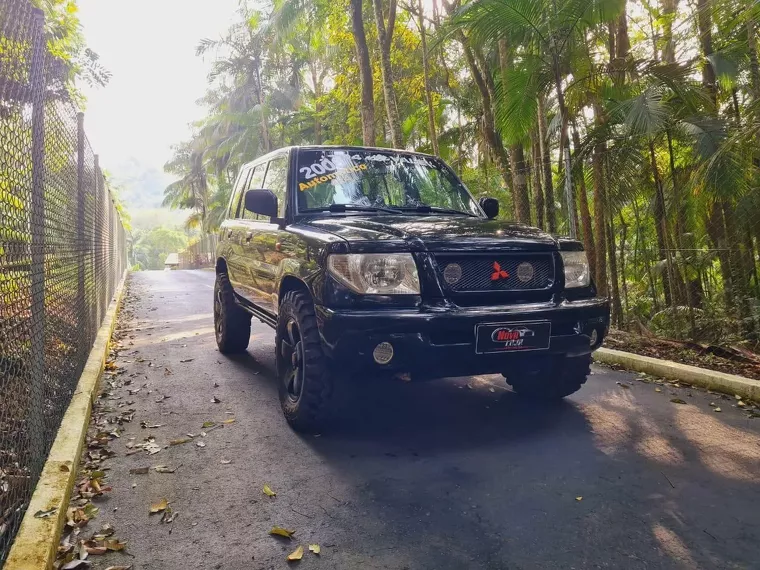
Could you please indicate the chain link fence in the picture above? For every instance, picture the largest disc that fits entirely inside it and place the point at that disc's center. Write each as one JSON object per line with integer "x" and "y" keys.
{"x": 201, "y": 254}
{"x": 62, "y": 253}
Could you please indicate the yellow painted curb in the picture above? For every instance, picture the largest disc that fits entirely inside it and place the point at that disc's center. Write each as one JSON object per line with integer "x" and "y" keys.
{"x": 710, "y": 379}
{"x": 35, "y": 545}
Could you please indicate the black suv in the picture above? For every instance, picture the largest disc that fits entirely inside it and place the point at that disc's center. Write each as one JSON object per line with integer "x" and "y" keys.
{"x": 369, "y": 260}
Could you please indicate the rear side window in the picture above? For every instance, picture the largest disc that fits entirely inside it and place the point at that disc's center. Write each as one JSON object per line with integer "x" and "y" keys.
{"x": 237, "y": 194}
{"x": 276, "y": 181}
{"x": 256, "y": 181}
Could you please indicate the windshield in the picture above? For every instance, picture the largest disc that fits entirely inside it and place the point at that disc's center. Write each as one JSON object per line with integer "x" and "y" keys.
{"x": 376, "y": 179}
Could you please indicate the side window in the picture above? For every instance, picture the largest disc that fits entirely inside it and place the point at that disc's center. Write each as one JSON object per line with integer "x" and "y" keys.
{"x": 237, "y": 194}
{"x": 276, "y": 181}
{"x": 254, "y": 182}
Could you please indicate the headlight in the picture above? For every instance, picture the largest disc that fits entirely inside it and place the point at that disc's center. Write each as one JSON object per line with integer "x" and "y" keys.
{"x": 376, "y": 273}
{"x": 577, "y": 272}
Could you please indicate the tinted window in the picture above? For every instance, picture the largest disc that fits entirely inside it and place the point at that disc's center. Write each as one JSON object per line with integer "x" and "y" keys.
{"x": 380, "y": 179}
{"x": 276, "y": 181}
{"x": 256, "y": 182}
{"x": 237, "y": 194}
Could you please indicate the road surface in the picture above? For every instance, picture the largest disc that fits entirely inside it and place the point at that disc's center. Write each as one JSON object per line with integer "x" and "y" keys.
{"x": 459, "y": 473}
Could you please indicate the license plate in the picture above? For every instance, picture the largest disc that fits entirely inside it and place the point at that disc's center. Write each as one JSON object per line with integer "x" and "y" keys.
{"x": 512, "y": 337}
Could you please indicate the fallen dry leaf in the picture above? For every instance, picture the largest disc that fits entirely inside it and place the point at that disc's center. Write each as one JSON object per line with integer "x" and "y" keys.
{"x": 268, "y": 491}
{"x": 208, "y": 424}
{"x": 716, "y": 409}
{"x": 225, "y": 461}
{"x": 658, "y": 389}
{"x": 215, "y": 400}
{"x": 92, "y": 547}
{"x": 201, "y": 444}
{"x": 115, "y": 545}
{"x": 187, "y": 360}
{"x": 297, "y": 554}
{"x": 229, "y": 421}
{"x": 280, "y": 531}
{"x": 677, "y": 401}
{"x": 45, "y": 514}
{"x": 578, "y": 498}
{"x": 119, "y": 568}
{"x": 138, "y": 471}
{"x": 180, "y": 441}
{"x": 314, "y": 548}
{"x": 164, "y": 469}
{"x": 159, "y": 506}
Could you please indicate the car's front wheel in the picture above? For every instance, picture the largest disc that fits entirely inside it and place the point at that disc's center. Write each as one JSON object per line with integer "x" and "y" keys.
{"x": 305, "y": 385}
{"x": 232, "y": 325}
{"x": 551, "y": 378}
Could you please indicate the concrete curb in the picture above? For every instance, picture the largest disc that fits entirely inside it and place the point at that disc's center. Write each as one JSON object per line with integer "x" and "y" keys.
{"x": 710, "y": 379}
{"x": 36, "y": 543}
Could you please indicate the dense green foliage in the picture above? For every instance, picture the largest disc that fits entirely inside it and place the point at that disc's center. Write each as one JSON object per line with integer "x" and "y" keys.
{"x": 150, "y": 247}
{"x": 631, "y": 123}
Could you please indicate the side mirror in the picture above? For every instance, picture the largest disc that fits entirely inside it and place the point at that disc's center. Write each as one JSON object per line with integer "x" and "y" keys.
{"x": 262, "y": 202}
{"x": 490, "y": 207}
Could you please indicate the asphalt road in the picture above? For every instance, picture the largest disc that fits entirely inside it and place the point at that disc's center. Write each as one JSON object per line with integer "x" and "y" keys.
{"x": 458, "y": 473}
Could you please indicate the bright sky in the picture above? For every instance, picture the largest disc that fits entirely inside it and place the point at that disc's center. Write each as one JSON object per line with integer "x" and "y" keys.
{"x": 149, "y": 47}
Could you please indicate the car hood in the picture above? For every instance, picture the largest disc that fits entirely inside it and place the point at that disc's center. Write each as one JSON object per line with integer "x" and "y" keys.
{"x": 432, "y": 233}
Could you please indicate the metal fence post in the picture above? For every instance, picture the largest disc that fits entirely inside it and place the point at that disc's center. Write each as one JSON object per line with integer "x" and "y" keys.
{"x": 37, "y": 269}
{"x": 81, "y": 295}
{"x": 97, "y": 250}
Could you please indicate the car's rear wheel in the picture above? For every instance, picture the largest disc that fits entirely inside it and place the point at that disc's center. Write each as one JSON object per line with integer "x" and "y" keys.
{"x": 232, "y": 325}
{"x": 305, "y": 385}
{"x": 551, "y": 378}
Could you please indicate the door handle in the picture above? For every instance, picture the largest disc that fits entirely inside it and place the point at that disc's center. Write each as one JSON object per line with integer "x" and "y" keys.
{"x": 248, "y": 236}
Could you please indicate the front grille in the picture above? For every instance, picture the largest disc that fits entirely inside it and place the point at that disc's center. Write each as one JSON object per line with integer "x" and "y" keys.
{"x": 499, "y": 272}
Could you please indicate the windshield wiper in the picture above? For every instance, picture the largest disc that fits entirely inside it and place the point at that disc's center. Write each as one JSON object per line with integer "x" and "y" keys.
{"x": 425, "y": 209}
{"x": 354, "y": 208}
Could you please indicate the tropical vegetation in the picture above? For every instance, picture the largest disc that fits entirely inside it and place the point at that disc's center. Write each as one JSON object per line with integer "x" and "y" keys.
{"x": 631, "y": 124}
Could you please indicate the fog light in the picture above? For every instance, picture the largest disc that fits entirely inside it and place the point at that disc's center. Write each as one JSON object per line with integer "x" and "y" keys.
{"x": 593, "y": 337}
{"x": 383, "y": 353}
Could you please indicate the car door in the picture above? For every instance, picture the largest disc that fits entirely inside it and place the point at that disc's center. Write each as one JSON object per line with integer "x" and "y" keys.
{"x": 249, "y": 260}
{"x": 231, "y": 231}
{"x": 263, "y": 242}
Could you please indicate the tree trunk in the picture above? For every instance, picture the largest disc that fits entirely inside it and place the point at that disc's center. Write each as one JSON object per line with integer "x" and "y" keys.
{"x": 365, "y": 73}
{"x": 617, "y": 308}
{"x": 538, "y": 193}
{"x": 265, "y": 139}
{"x": 588, "y": 234}
{"x": 385, "y": 39}
{"x": 717, "y": 232}
{"x": 600, "y": 201}
{"x": 546, "y": 166}
{"x": 704, "y": 24}
{"x": 660, "y": 226}
{"x": 426, "y": 76}
{"x": 623, "y": 236}
{"x": 572, "y": 213}
{"x": 520, "y": 194}
{"x": 489, "y": 124}
{"x": 754, "y": 67}
{"x": 668, "y": 8}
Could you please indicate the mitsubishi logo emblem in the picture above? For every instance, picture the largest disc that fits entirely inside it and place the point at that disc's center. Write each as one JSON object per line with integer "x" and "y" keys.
{"x": 498, "y": 272}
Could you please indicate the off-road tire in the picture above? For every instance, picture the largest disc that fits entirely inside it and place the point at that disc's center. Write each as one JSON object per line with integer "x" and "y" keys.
{"x": 553, "y": 380}
{"x": 313, "y": 406}
{"x": 232, "y": 325}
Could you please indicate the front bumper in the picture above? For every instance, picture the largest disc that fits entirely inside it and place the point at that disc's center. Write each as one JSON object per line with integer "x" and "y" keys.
{"x": 440, "y": 341}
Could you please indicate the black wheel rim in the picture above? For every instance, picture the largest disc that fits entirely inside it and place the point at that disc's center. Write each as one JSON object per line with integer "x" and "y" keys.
{"x": 292, "y": 354}
{"x": 218, "y": 321}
